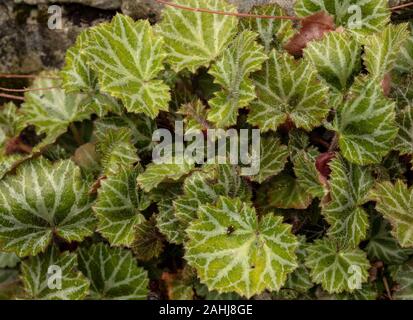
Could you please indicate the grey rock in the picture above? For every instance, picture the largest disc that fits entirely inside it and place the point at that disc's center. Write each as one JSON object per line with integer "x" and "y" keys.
{"x": 101, "y": 4}
{"x": 142, "y": 9}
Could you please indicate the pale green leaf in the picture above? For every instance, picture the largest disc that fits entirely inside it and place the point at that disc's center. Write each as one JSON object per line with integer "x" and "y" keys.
{"x": 382, "y": 49}
{"x": 336, "y": 269}
{"x": 231, "y": 71}
{"x": 116, "y": 149}
{"x": 349, "y": 186}
{"x": 113, "y": 273}
{"x": 336, "y": 57}
{"x": 288, "y": 89}
{"x": 40, "y": 200}
{"x": 8, "y": 260}
{"x": 273, "y": 158}
{"x": 155, "y": 173}
{"x": 404, "y": 279}
{"x": 360, "y": 16}
{"x": 127, "y": 57}
{"x": 119, "y": 204}
{"x": 404, "y": 63}
{"x": 366, "y": 123}
{"x": 234, "y": 251}
{"x": 404, "y": 139}
{"x": 194, "y": 39}
{"x": 395, "y": 203}
{"x": 53, "y": 276}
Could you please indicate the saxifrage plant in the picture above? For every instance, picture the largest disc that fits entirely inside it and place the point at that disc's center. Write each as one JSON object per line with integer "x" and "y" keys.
{"x": 329, "y": 214}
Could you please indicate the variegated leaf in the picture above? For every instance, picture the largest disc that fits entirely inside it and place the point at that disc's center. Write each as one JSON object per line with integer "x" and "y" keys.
{"x": 404, "y": 279}
{"x": 119, "y": 204}
{"x": 195, "y": 39}
{"x": 148, "y": 242}
{"x": 234, "y": 251}
{"x": 231, "y": 71}
{"x": 360, "y": 16}
{"x": 113, "y": 273}
{"x": 288, "y": 90}
{"x": 40, "y": 200}
{"x": 349, "y": 186}
{"x": 272, "y": 32}
{"x": 53, "y": 276}
{"x": 395, "y": 203}
{"x": 168, "y": 224}
{"x": 300, "y": 279}
{"x": 336, "y": 57}
{"x": 8, "y": 260}
{"x": 337, "y": 269}
{"x": 382, "y": 49}
{"x": 404, "y": 139}
{"x": 126, "y": 69}
{"x": 366, "y": 123}
{"x": 404, "y": 62}
{"x": 307, "y": 173}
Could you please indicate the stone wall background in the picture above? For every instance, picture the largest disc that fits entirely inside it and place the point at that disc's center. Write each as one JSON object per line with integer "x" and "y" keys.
{"x": 28, "y": 46}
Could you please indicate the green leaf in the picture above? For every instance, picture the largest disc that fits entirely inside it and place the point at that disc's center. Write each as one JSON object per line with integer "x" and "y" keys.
{"x": 8, "y": 260}
{"x": 273, "y": 158}
{"x": 307, "y": 173}
{"x": 349, "y": 186}
{"x": 40, "y": 200}
{"x": 53, "y": 276}
{"x": 288, "y": 89}
{"x": 116, "y": 149}
{"x": 381, "y": 50}
{"x": 360, "y": 16}
{"x": 234, "y": 251}
{"x": 118, "y": 206}
{"x": 51, "y": 111}
{"x": 382, "y": 246}
{"x": 395, "y": 203}
{"x": 10, "y": 122}
{"x": 196, "y": 115}
{"x": 113, "y": 273}
{"x": 156, "y": 173}
{"x": 336, "y": 269}
{"x": 404, "y": 279}
{"x": 336, "y": 57}
{"x": 404, "y": 62}
{"x": 284, "y": 192}
{"x": 148, "y": 242}
{"x": 404, "y": 139}
{"x": 300, "y": 279}
{"x": 205, "y": 187}
{"x": 168, "y": 224}
{"x": 194, "y": 39}
{"x": 366, "y": 123}
{"x": 272, "y": 32}
{"x": 231, "y": 71}
{"x": 127, "y": 57}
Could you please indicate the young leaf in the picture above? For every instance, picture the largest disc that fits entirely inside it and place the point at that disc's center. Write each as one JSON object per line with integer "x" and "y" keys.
{"x": 404, "y": 62}
{"x": 64, "y": 283}
{"x": 40, "y": 200}
{"x": 168, "y": 224}
{"x": 194, "y": 39}
{"x": 119, "y": 204}
{"x": 51, "y": 111}
{"x": 382, "y": 49}
{"x": 116, "y": 149}
{"x": 272, "y": 32}
{"x": 284, "y": 192}
{"x": 127, "y": 57}
{"x": 113, "y": 273}
{"x": 360, "y": 16}
{"x": 349, "y": 185}
{"x": 234, "y": 251}
{"x": 274, "y": 156}
{"x": 231, "y": 71}
{"x": 336, "y": 269}
{"x": 148, "y": 242}
{"x": 336, "y": 57}
{"x": 156, "y": 173}
{"x": 395, "y": 203}
{"x": 404, "y": 139}
{"x": 287, "y": 89}
{"x": 366, "y": 123}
